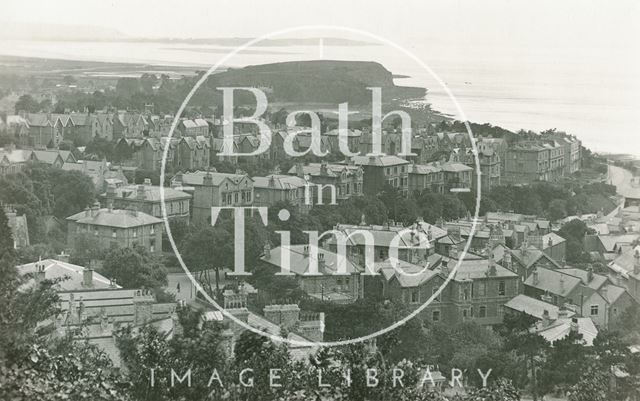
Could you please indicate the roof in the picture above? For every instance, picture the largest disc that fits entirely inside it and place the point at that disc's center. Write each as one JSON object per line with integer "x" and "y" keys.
{"x": 114, "y": 218}
{"x": 534, "y": 307}
{"x": 16, "y": 155}
{"x": 624, "y": 262}
{"x": 47, "y": 156}
{"x": 299, "y": 260}
{"x": 72, "y": 275}
{"x": 553, "y": 281}
{"x": 331, "y": 170}
{"x": 197, "y": 177}
{"x": 384, "y": 235}
{"x": 562, "y": 327}
{"x": 151, "y": 193}
{"x": 597, "y": 280}
{"x": 379, "y": 161}
{"x": 277, "y": 181}
{"x": 477, "y": 269}
{"x": 609, "y": 241}
{"x": 409, "y": 275}
{"x": 455, "y": 167}
{"x": 555, "y": 240}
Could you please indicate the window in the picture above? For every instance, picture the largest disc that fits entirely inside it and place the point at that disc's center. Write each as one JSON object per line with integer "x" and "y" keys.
{"x": 433, "y": 291}
{"x": 594, "y": 310}
{"x": 480, "y": 289}
{"x": 501, "y": 288}
{"x": 435, "y": 316}
{"x": 135, "y": 233}
{"x": 153, "y": 230}
{"x": 95, "y": 231}
{"x": 113, "y": 232}
{"x": 465, "y": 313}
{"x": 482, "y": 311}
{"x": 415, "y": 296}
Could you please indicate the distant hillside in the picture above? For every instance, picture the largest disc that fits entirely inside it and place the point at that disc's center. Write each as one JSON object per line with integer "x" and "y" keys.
{"x": 318, "y": 81}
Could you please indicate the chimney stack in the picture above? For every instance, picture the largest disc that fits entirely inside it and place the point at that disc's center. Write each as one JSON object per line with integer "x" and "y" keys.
{"x": 40, "y": 272}
{"x": 546, "y": 319}
{"x": 636, "y": 264}
{"x": 141, "y": 193}
{"x": 267, "y": 250}
{"x": 87, "y": 277}
{"x": 536, "y": 279}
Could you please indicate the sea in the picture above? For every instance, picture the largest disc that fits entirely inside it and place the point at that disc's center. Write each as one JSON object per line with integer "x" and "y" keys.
{"x": 593, "y": 93}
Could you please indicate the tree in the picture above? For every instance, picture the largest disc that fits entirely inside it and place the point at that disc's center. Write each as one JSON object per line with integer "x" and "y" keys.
{"x": 557, "y": 209}
{"x": 592, "y": 384}
{"x": 28, "y": 104}
{"x": 134, "y": 268}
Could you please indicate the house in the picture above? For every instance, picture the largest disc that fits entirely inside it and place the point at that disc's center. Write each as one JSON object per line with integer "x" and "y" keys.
{"x": 426, "y": 177}
{"x": 115, "y": 228}
{"x": 555, "y": 287}
{"x": 147, "y": 198}
{"x": 536, "y": 308}
{"x": 101, "y": 173}
{"x": 192, "y": 153}
{"x": 48, "y": 157}
{"x": 98, "y": 305}
{"x": 193, "y": 128}
{"x": 478, "y": 289}
{"x": 346, "y": 179}
{"x": 276, "y": 188}
{"x": 210, "y": 188}
{"x": 13, "y": 160}
{"x": 624, "y": 271}
{"x": 562, "y": 327}
{"x": 320, "y": 273}
{"x": 381, "y": 171}
{"x": 382, "y": 239}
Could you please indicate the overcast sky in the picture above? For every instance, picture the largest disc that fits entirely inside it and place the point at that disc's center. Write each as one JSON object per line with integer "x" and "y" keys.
{"x": 503, "y": 22}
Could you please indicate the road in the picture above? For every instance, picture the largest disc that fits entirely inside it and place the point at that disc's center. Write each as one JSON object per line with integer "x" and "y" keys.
{"x": 622, "y": 179}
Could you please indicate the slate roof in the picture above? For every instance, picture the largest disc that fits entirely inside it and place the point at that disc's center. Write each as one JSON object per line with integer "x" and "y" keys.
{"x": 597, "y": 281}
{"x": 534, "y": 307}
{"x": 72, "y": 275}
{"x": 409, "y": 275}
{"x": 282, "y": 182}
{"x": 562, "y": 327}
{"x": 151, "y": 193}
{"x": 114, "y": 218}
{"x": 299, "y": 262}
{"x": 379, "y": 161}
{"x": 197, "y": 177}
{"x": 553, "y": 281}
{"x": 332, "y": 170}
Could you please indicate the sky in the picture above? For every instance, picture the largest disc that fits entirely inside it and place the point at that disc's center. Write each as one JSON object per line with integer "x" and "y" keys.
{"x": 506, "y": 23}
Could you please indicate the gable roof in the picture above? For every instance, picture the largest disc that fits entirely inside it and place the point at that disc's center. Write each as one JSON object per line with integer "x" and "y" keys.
{"x": 379, "y": 161}
{"x": 70, "y": 274}
{"x": 534, "y": 307}
{"x": 299, "y": 260}
{"x": 553, "y": 281}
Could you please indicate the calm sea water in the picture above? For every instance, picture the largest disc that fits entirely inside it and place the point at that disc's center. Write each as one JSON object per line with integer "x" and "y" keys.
{"x": 593, "y": 94}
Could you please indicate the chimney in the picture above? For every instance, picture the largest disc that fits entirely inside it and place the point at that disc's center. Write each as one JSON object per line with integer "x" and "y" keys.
{"x": 562, "y": 313}
{"x": 550, "y": 242}
{"x": 63, "y": 257}
{"x": 299, "y": 170}
{"x": 589, "y": 274}
{"x": 636, "y": 264}
{"x": 87, "y": 277}
{"x": 305, "y": 251}
{"x": 453, "y": 252}
{"x": 546, "y": 319}
{"x": 267, "y": 250}
{"x": 445, "y": 268}
{"x": 323, "y": 168}
{"x": 40, "y": 274}
{"x": 321, "y": 263}
{"x": 561, "y": 282}
{"x": 141, "y": 193}
{"x": 574, "y": 324}
{"x": 208, "y": 180}
{"x": 536, "y": 279}
{"x": 142, "y": 306}
{"x": 604, "y": 291}
{"x": 111, "y": 194}
{"x": 95, "y": 208}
